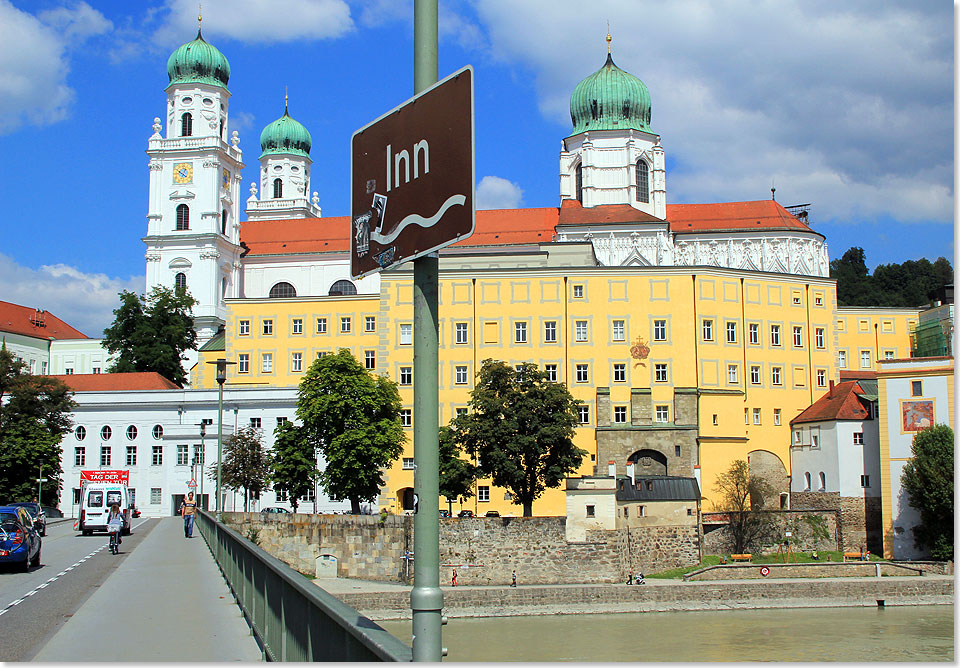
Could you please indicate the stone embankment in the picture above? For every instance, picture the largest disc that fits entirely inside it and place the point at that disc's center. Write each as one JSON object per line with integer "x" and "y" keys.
{"x": 379, "y": 603}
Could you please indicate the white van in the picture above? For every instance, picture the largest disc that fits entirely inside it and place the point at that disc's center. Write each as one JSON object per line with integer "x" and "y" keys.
{"x": 95, "y": 501}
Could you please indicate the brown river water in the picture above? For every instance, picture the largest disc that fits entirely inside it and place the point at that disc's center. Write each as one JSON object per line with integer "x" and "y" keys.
{"x": 907, "y": 633}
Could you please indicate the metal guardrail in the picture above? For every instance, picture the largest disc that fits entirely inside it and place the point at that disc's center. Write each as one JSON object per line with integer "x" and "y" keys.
{"x": 293, "y": 619}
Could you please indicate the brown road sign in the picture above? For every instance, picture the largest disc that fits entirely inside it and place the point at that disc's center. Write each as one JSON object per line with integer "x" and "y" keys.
{"x": 411, "y": 177}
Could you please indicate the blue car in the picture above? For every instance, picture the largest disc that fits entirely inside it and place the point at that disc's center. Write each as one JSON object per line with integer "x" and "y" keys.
{"x": 19, "y": 540}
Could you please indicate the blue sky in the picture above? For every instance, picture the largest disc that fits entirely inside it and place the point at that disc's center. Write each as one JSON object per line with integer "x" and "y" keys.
{"x": 848, "y": 106}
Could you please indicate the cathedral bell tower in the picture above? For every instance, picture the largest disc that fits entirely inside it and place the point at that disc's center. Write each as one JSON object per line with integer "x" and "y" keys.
{"x": 193, "y": 227}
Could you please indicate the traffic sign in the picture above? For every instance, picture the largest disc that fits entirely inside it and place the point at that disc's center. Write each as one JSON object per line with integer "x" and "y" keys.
{"x": 412, "y": 177}
{"x": 192, "y": 483}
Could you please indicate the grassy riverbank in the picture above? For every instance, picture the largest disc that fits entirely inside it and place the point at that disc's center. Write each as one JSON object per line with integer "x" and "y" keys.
{"x": 714, "y": 560}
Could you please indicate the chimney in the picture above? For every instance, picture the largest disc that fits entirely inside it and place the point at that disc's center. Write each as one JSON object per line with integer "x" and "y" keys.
{"x": 612, "y": 468}
{"x": 830, "y": 391}
{"x": 630, "y": 474}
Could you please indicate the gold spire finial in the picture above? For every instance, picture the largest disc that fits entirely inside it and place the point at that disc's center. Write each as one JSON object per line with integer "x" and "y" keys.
{"x": 286, "y": 97}
{"x": 199, "y": 15}
{"x": 609, "y": 38}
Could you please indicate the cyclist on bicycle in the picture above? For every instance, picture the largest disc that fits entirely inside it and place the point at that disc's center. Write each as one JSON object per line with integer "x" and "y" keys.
{"x": 115, "y": 526}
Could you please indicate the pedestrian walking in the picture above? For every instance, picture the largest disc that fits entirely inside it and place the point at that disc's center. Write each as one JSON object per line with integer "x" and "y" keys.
{"x": 514, "y": 583}
{"x": 188, "y": 510}
{"x": 454, "y": 577}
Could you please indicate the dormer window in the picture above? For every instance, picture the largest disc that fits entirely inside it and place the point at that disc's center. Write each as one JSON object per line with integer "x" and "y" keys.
{"x": 643, "y": 181}
{"x": 183, "y": 217}
{"x": 186, "y": 125}
{"x": 277, "y": 189}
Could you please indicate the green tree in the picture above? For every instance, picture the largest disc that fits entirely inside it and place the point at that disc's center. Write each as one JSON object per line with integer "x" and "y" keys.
{"x": 928, "y": 481}
{"x": 457, "y": 475}
{"x": 152, "y": 332}
{"x": 34, "y": 416}
{"x": 353, "y": 419}
{"x": 245, "y": 464}
{"x": 520, "y": 428}
{"x": 913, "y": 283}
{"x": 853, "y": 280}
{"x": 742, "y": 496}
{"x": 293, "y": 463}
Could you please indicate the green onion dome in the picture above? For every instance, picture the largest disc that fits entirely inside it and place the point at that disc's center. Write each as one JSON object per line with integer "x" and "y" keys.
{"x": 198, "y": 62}
{"x": 610, "y": 99}
{"x": 286, "y": 136}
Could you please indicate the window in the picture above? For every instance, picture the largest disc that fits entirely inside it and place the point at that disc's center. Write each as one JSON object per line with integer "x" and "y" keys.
{"x": 157, "y": 432}
{"x": 343, "y": 287}
{"x": 823, "y": 481}
{"x": 806, "y": 481}
{"x": 776, "y": 417}
{"x": 916, "y": 388}
{"x": 131, "y": 433}
{"x": 864, "y": 481}
{"x": 462, "y": 335}
{"x": 406, "y": 417}
{"x": 223, "y": 222}
{"x": 282, "y": 496}
{"x": 267, "y": 327}
{"x": 814, "y": 441}
{"x": 406, "y": 375}
{"x": 266, "y": 363}
{"x": 796, "y": 299}
{"x": 620, "y": 414}
{"x": 662, "y": 413}
{"x": 296, "y": 327}
{"x": 864, "y": 359}
{"x": 483, "y": 493}
{"x": 461, "y": 375}
{"x": 676, "y": 451}
{"x": 619, "y": 330}
{"x": 551, "y": 371}
{"x": 583, "y": 373}
{"x": 578, "y": 291}
{"x": 157, "y": 455}
{"x": 774, "y": 335}
{"x": 156, "y": 495}
{"x": 660, "y": 373}
{"x": 818, "y": 301}
{"x": 821, "y": 378}
{"x": 708, "y": 330}
{"x": 186, "y": 125}
{"x": 776, "y": 375}
{"x": 183, "y": 455}
{"x": 659, "y": 330}
{"x": 756, "y": 416}
{"x": 716, "y": 420}
{"x": 643, "y": 181}
{"x": 591, "y": 511}
{"x": 243, "y": 363}
{"x": 754, "y": 375}
{"x": 579, "y": 179}
{"x": 68, "y": 371}
{"x": 797, "y": 437}
{"x": 80, "y": 433}
{"x": 183, "y": 217}
{"x": 731, "y": 332}
{"x": 370, "y": 359}
{"x": 580, "y": 327}
{"x": 105, "y": 433}
{"x": 244, "y": 329}
{"x": 282, "y": 420}
{"x": 179, "y": 284}
{"x": 887, "y": 354}
{"x": 520, "y": 332}
{"x": 282, "y": 290}
{"x": 619, "y": 373}
{"x": 797, "y": 337}
{"x": 370, "y": 323}
{"x": 842, "y": 359}
{"x": 733, "y": 374}
{"x": 461, "y": 411}
{"x": 818, "y": 338}
{"x": 321, "y": 325}
{"x": 256, "y": 423}
{"x": 583, "y": 414}
{"x": 858, "y": 438}
{"x": 277, "y": 188}
{"x": 198, "y": 454}
{"x": 79, "y": 456}
{"x": 345, "y": 325}
{"x": 296, "y": 362}
{"x": 550, "y": 331}
{"x": 753, "y": 332}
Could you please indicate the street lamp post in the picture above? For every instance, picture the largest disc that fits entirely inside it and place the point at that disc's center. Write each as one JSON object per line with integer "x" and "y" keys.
{"x": 203, "y": 459}
{"x": 221, "y": 379}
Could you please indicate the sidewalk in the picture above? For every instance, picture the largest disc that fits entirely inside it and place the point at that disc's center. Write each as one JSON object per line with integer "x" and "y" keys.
{"x": 166, "y": 602}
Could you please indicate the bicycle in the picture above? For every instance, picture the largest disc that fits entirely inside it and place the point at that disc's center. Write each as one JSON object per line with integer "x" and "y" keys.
{"x": 114, "y": 538}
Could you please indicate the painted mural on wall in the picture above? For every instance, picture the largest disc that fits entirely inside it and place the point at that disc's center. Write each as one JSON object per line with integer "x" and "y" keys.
{"x": 916, "y": 415}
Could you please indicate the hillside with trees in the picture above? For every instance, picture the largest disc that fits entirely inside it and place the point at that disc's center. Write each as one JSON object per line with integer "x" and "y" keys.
{"x": 913, "y": 283}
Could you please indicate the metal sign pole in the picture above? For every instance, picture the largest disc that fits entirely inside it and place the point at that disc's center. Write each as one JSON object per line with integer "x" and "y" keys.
{"x": 426, "y": 598}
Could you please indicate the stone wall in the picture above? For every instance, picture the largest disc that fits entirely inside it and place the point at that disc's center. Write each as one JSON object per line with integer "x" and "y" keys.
{"x": 859, "y": 517}
{"x": 718, "y": 540}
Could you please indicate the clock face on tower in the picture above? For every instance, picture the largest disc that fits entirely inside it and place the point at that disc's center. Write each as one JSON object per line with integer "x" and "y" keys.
{"x": 183, "y": 172}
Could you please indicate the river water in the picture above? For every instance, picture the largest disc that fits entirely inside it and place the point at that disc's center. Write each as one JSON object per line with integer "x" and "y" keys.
{"x": 907, "y": 633}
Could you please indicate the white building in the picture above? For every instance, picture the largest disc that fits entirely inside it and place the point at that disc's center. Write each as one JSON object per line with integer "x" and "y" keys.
{"x": 47, "y": 344}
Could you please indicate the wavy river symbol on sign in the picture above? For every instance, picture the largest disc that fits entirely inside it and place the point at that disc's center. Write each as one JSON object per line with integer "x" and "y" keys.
{"x": 417, "y": 219}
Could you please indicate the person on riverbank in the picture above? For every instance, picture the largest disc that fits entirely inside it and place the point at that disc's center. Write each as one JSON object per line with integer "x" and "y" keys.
{"x": 188, "y": 509}
{"x": 514, "y": 583}
{"x": 454, "y": 577}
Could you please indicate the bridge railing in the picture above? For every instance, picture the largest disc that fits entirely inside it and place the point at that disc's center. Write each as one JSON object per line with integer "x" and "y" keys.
{"x": 293, "y": 619}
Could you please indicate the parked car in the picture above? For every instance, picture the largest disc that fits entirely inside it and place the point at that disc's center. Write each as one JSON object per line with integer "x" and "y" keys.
{"x": 444, "y": 513}
{"x": 19, "y": 541}
{"x": 50, "y": 511}
{"x": 36, "y": 514}
{"x": 493, "y": 513}
{"x": 273, "y": 510}
{"x": 465, "y": 513}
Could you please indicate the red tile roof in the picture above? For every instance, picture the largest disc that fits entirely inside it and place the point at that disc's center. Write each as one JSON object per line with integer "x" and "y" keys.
{"x": 111, "y": 382}
{"x": 29, "y": 321}
{"x": 857, "y": 374}
{"x": 841, "y": 402}
{"x": 497, "y": 227}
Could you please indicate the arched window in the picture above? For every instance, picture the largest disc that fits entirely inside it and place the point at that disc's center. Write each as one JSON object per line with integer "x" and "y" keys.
{"x": 186, "y": 125}
{"x": 183, "y": 217}
{"x": 180, "y": 282}
{"x": 823, "y": 481}
{"x": 580, "y": 183}
{"x": 643, "y": 181}
{"x": 281, "y": 290}
{"x": 277, "y": 189}
{"x": 223, "y": 222}
{"x": 806, "y": 481}
{"x": 343, "y": 287}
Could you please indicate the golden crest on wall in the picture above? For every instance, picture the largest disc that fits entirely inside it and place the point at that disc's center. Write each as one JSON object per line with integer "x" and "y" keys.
{"x": 639, "y": 351}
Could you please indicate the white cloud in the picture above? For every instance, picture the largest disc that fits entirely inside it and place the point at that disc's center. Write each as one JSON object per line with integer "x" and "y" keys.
{"x": 494, "y": 192}
{"x": 256, "y": 21}
{"x": 34, "y": 61}
{"x": 84, "y": 301}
